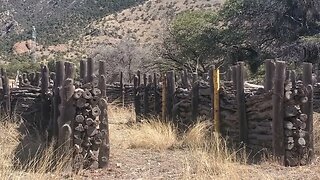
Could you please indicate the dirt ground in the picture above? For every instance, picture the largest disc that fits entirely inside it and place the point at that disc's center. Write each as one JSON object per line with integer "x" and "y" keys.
{"x": 143, "y": 164}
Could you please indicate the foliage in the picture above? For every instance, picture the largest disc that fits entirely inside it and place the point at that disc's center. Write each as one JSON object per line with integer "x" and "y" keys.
{"x": 20, "y": 63}
{"x": 243, "y": 30}
{"x": 124, "y": 57}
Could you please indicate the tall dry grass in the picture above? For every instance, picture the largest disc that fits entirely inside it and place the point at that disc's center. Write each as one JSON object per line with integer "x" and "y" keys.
{"x": 153, "y": 134}
{"x": 23, "y": 156}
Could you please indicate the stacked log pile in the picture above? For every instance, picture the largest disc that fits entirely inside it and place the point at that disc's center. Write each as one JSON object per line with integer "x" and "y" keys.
{"x": 182, "y": 107}
{"x": 316, "y": 97}
{"x": 89, "y": 127}
{"x": 228, "y": 113}
{"x": 204, "y": 107}
{"x": 259, "y": 116}
{"x": 26, "y": 103}
{"x": 295, "y": 127}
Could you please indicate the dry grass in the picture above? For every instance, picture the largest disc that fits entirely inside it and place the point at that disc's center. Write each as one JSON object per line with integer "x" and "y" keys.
{"x": 119, "y": 115}
{"x": 28, "y": 160}
{"x": 153, "y": 134}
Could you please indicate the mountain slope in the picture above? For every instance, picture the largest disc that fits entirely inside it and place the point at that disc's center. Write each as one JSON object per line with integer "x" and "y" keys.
{"x": 144, "y": 23}
{"x": 56, "y": 21}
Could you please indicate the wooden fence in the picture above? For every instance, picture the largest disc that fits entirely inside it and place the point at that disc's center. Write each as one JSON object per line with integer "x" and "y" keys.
{"x": 276, "y": 116}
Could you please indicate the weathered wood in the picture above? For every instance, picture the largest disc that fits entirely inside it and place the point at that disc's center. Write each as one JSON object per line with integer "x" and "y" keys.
{"x": 45, "y": 105}
{"x": 241, "y": 109}
{"x": 170, "y": 94}
{"x": 234, "y": 76}
{"x": 307, "y": 108}
{"x": 278, "y": 112}
{"x": 59, "y": 79}
{"x": 104, "y": 151}
{"x": 195, "y": 96}
{"x": 269, "y": 66}
{"x": 137, "y": 105}
{"x": 6, "y": 92}
{"x": 83, "y": 71}
{"x": 145, "y": 96}
{"x": 293, "y": 78}
{"x": 90, "y": 70}
{"x": 102, "y": 68}
{"x": 157, "y": 100}
{"x": 121, "y": 89}
{"x": 184, "y": 79}
{"x": 164, "y": 98}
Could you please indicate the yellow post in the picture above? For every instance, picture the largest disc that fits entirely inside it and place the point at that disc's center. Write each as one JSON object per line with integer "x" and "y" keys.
{"x": 216, "y": 103}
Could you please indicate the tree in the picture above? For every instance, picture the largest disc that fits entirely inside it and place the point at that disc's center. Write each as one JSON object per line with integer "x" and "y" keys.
{"x": 243, "y": 30}
{"x": 126, "y": 57}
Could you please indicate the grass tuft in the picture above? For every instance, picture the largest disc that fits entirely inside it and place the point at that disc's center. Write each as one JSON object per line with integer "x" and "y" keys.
{"x": 153, "y": 134}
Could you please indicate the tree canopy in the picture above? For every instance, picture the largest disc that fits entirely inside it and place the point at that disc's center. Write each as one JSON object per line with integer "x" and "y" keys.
{"x": 244, "y": 30}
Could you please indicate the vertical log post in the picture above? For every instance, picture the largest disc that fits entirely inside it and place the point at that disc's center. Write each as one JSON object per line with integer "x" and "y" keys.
{"x": 67, "y": 110}
{"x": 278, "y": 147}
{"x": 234, "y": 77}
{"x": 59, "y": 79}
{"x": 139, "y": 77}
{"x": 241, "y": 104}
{"x": 184, "y": 79}
{"x": 307, "y": 108}
{"x": 145, "y": 96}
{"x": 170, "y": 94}
{"x": 90, "y": 71}
{"x": 268, "y": 81}
{"x": 293, "y": 79}
{"x": 45, "y": 106}
{"x": 211, "y": 82}
{"x": 6, "y": 92}
{"x": 156, "y": 95}
{"x": 164, "y": 98}
{"x": 137, "y": 106}
{"x": 216, "y": 101}
{"x": 104, "y": 151}
{"x": 195, "y": 96}
{"x": 121, "y": 89}
{"x": 83, "y": 71}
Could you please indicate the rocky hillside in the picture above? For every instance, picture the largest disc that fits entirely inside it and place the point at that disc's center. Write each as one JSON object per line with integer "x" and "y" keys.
{"x": 56, "y": 21}
{"x": 79, "y": 26}
{"x": 144, "y": 23}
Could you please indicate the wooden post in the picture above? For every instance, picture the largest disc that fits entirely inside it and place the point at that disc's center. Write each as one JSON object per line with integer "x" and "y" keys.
{"x": 195, "y": 96}
{"x": 170, "y": 94}
{"x": 229, "y": 74}
{"x": 307, "y": 108}
{"x": 37, "y": 79}
{"x": 59, "y": 79}
{"x": 278, "y": 147}
{"x": 241, "y": 103}
{"x": 269, "y": 67}
{"x": 102, "y": 68}
{"x": 164, "y": 97}
{"x": 45, "y": 116}
{"x": 104, "y": 152}
{"x": 211, "y": 82}
{"x": 156, "y": 95}
{"x": 137, "y": 106}
{"x": 90, "y": 71}
{"x": 216, "y": 104}
{"x": 234, "y": 77}
{"x": 184, "y": 79}
{"x": 67, "y": 110}
{"x": 293, "y": 78}
{"x": 139, "y": 77}
{"x": 6, "y": 92}
{"x": 83, "y": 71}
{"x": 145, "y": 96}
{"x": 121, "y": 89}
